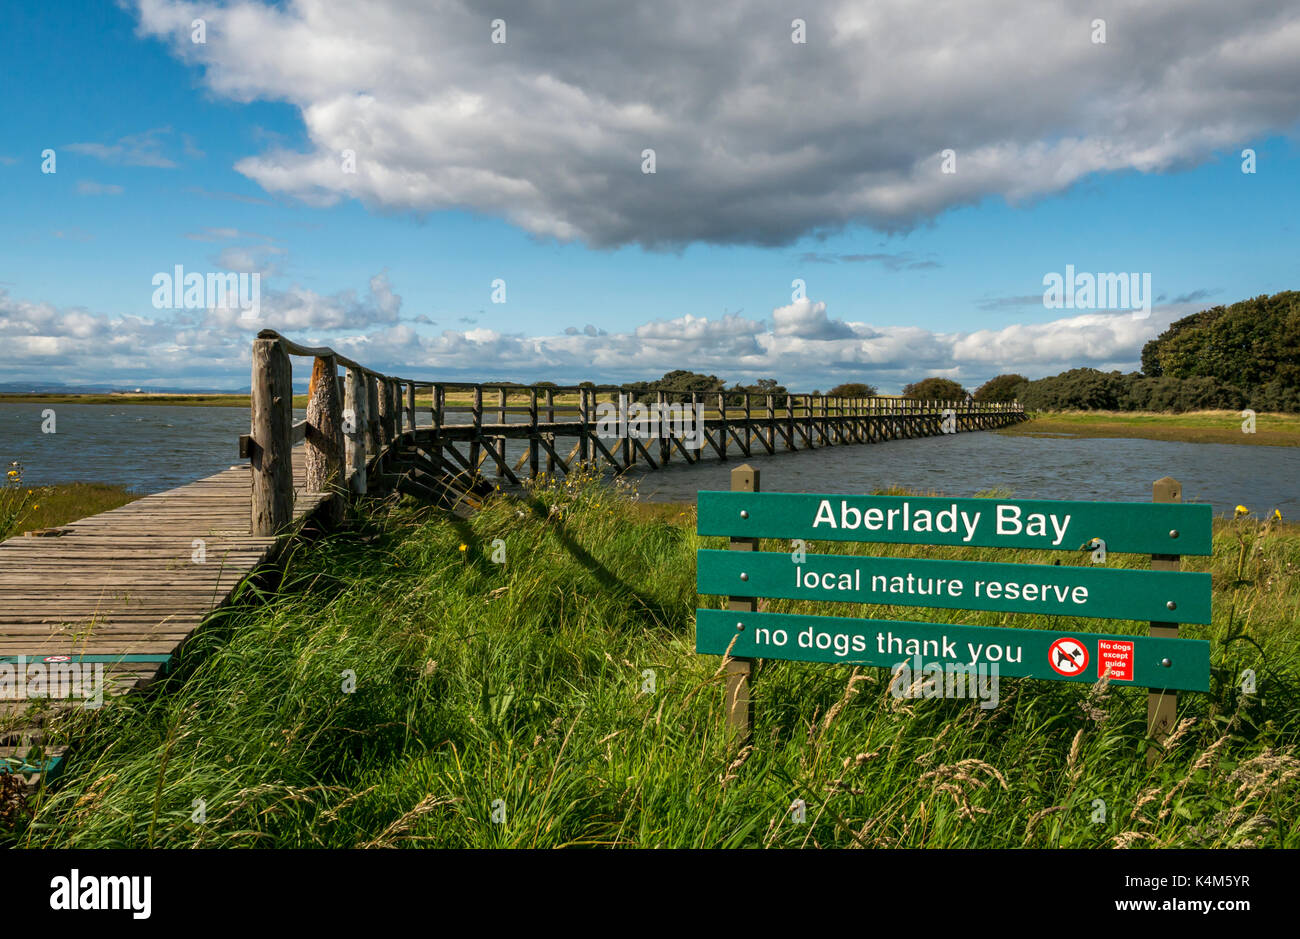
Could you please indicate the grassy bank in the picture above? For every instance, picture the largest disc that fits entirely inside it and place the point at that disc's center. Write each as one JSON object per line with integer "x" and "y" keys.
{"x": 400, "y": 688}
{"x": 24, "y": 508}
{"x": 186, "y": 400}
{"x": 1273, "y": 430}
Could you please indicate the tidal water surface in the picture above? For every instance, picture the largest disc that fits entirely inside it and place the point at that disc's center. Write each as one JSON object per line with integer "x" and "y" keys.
{"x": 149, "y": 448}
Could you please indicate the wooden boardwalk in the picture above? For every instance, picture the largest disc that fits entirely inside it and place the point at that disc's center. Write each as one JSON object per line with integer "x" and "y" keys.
{"x": 115, "y": 596}
{"x": 124, "y": 589}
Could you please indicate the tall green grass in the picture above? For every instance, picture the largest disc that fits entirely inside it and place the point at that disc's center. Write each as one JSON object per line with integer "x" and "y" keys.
{"x": 560, "y": 693}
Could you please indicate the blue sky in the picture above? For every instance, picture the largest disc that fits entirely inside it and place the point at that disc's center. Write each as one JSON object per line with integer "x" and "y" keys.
{"x": 218, "y": 157}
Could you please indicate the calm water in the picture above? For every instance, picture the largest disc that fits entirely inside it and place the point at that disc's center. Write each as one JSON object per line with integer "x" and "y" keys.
{"x": 151, "y": 448}
{"x": 1106, "y": 469}
{"x": 143, "y": 447}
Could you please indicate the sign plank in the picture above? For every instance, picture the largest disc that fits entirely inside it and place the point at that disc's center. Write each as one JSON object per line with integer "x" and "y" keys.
{"x": 1105, "y": 593}
{"x": 1142, "y": 661}
{"x": 1126, "y": 527}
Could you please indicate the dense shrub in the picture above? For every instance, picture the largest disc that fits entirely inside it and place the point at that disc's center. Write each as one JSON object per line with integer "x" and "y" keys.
{"x": 854, "y": 389}
{"x": 1000, "y": 388}
{"x": 935, "y": 389}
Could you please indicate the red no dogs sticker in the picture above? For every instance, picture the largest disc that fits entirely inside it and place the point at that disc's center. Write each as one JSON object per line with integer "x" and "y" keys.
{"x": 1068, "y": 657}
{"x": 1117, "y": 657}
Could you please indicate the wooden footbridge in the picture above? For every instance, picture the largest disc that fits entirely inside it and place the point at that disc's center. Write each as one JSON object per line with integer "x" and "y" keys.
{"x": 102, "y": 606}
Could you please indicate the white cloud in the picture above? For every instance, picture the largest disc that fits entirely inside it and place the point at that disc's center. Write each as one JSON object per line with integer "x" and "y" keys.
{"x": 803, "y": 347}
{"x": 133, "y": 150}
{"x": 757, "y": 139}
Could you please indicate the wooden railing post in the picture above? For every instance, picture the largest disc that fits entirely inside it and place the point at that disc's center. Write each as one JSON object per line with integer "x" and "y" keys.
{"x": 410, "y": 403}
{"x": 272, "y": 443}
{"x": 356, "y": 405}
{"x": 324, "y": 439}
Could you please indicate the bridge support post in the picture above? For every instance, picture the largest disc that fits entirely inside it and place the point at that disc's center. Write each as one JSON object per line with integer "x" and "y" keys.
{"x": 272, "y": 432}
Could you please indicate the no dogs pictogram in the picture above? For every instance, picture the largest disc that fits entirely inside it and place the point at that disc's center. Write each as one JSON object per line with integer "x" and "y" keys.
{"x": 1068, "y": 657}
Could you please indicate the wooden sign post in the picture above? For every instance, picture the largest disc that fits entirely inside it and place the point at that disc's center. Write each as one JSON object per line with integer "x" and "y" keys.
{"x": 740, "y": 671}
{"x": 1164, "y": 596}
{"x": 1162, "y": 705}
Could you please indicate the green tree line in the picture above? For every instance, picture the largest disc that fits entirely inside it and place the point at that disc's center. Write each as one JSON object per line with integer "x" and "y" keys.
{"x": 1227, "y": 357}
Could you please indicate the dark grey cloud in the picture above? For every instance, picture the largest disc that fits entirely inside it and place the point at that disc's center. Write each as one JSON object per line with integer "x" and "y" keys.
{"x": 903, "y": 261}
{"x": 1196, "y": 296}
{"x": 1010, "y": 303}
{"x": 757, "y": 139}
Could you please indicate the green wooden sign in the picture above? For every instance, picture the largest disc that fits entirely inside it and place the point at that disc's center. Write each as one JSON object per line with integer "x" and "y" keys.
{"x": 1143, "y": 661}
{"x": 1125, "y": 527}
{"x": 1106, "y": 593}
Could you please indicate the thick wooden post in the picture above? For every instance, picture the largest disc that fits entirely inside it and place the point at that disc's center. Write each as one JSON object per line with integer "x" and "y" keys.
{"x": 1162, "y": 706}
{"x": 272, "y": 432}
{"x": 356, "y": 406}
{"x": 410, "y": 403}
{"x": 740, "y": 672}
{"x": 324, "y": 441}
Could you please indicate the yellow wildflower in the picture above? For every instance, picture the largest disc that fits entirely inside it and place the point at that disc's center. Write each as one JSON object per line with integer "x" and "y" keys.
{"x": 464, "y": 547}
{"x": 1242, "y": 510}
{"x": 1277, "y": 514}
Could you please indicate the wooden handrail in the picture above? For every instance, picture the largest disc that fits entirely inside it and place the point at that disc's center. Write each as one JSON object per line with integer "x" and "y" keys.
{"x": 354, "y": 421}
